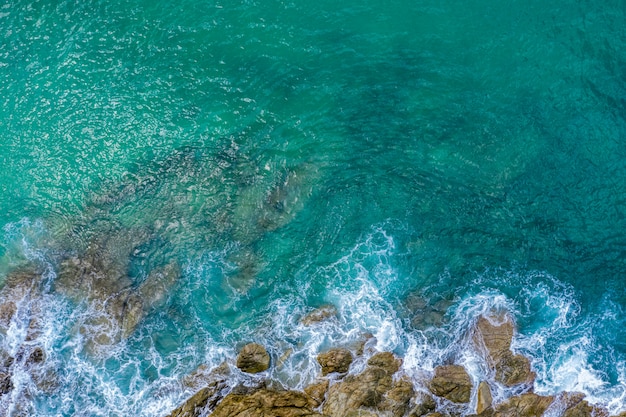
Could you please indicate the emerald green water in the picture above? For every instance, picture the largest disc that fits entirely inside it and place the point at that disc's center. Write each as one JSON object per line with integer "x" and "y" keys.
{"x": 285, "y": 155}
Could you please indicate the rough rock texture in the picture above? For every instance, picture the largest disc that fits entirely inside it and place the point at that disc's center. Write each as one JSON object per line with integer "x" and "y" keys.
{"x": 6, "y": 385}
{"x": 525, "y": 405}
{"x": 214, "y": 384}
{"x": 317, "y": 390}
{"x": 425, "y": 404}
{"x": 451, "y": 382}
{"x": 484, "y": 398}
{"x": 397, "y": 399}
{"x": 386, "y": 361}
{"x": 335, "y": 360}
{"x": 373, "y": 388}
{"x": 322, "y": 313}
{"x": 253, "y": 358}
{"x": 494, "y": 337}
{"x": 576, "y": 406}
{"x": 266, "y": 403}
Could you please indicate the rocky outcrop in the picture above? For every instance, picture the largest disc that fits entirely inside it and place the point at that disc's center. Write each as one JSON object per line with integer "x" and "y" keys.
{"x": 451, "y": 382}
{"x": 484, "y": 399}
{"x": 317, "y": 390}
{"x": 335, "y": 360}
{"x": 373, "y": 388}
{"x": 212, "y": 386}
{"x": 493, "y": 336}
{"x": 253, "y": 359}
{"x": 267, "y": 403}
{"x": 424, "y": 405}
{"x": 525, "y": 405}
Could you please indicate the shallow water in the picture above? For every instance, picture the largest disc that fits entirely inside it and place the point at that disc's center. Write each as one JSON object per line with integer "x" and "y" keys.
{"x": 411, "y": 163}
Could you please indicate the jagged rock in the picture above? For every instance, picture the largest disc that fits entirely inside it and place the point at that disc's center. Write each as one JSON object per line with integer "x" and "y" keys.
{"x": 266, "y": 403}
{"x": 367, "y": 389}
{"x": 513, "y": 370}
{"x": 525, "y": 405}
{"x": 396, "y": 401}
{"x": 203, "y": 376}
{"x": 576, "y": 406}
{"x": 484, "y": 398}
{"x": 253, "y": 358}
{"x": 494, "y": 335}
{"x": 6, "y": 385}
{"x": 425, "y": 404}
{"x": 451, "y": 382}
{"x": 335, "y": 360}
{"x": 36, "y": 356}
{"x": 386, "y": 361}
{"x": 322, "y": 313}
{"x": 317, "y": 390}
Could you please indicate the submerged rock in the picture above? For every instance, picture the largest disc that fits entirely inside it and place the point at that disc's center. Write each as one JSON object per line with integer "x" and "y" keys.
{"x": 320, "y": 314}
{"x": 335, "y": 360}
{"x": 253, "y": 358}
{"x": 451, "y": 382}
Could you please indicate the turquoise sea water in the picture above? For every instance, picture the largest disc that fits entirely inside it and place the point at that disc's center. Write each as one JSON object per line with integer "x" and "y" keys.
{"x": 411, "y": 162}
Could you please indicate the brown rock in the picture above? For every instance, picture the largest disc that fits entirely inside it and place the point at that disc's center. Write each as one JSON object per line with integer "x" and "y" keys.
{"x": 266, "y": 403}
{"x": 253, "y": 358}
{"x": 513, "y": 370}
{"x": 494, "y": 336}
{"x": 425, "y": 404}
{"x": 335, "y": 360}
{"x": 525, "y": 405}
{"x": 484, "y": 399}
{"x": 373, "y": 388}
{"x": 386, "y": 361}
{"x": 36, "y": 356}
{"x": 196, "y": 405}
{"x": 363, "y": 390}
{"x": 325, "y": 312}
{"x": 451, "y": 382}
{"x": 577, "y": 406}
{"x": 397, "y": 399}
{"x": 317, "y": 390}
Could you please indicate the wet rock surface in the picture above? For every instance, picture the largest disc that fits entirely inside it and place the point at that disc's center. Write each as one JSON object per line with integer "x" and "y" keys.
{"x": 451, "y": 382}
{"x": 373, "y": 388}
{"x": 335, "y": 360}
{"x": 253, "y": 359}
{"x": 267, "y": 403}
{"x": 493, "y": 336}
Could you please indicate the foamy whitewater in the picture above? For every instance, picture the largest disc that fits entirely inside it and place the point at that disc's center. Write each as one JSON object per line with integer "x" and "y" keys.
{"x": 142, "y": 375}
{"x": 178, "y": 179}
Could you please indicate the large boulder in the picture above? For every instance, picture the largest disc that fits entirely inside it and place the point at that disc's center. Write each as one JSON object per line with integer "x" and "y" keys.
{"x": 213, "y": 383}
{"x": 493, "y": 335}
{"x": 373, "y": 388}
{"x": 267, "y": 403}
{"x": 335, "y": 360}
{"x": 253, "y": 358}
{"x": 451, "y": 382}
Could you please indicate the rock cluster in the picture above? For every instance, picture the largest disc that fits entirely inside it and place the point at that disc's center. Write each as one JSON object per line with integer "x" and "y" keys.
{"x": 380, "y": 388}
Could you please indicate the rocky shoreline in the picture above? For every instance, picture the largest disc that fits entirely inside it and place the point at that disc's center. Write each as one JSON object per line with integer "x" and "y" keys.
{"x": 382, "y": 387}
